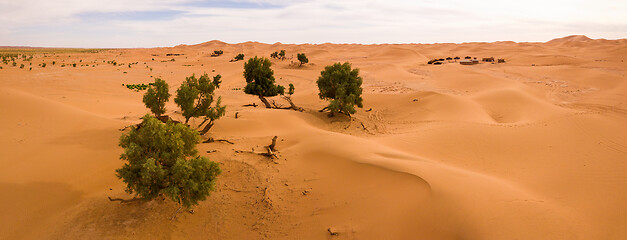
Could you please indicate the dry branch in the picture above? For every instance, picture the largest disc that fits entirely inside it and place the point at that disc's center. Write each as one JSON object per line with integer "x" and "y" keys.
{"x": 135, "y": 199}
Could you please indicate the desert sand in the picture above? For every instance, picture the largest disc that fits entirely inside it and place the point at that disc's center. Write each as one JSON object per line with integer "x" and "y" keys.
{"x": 534, "y": 148}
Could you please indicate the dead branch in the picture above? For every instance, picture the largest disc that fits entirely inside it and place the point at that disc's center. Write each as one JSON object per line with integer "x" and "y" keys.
{"x": 210, "y": 140}
{"x": 292, "y": 105}
{"x": 322, "y": 110}
{"x": 369, "y": 110}
{"x": 135, "y": 199}
{"x": 212, "y": 151}
{"x": 273, "y": 145}
{"x": 236, "y": 113}
{"x": 250, "y": 105}
{"x": 177, "y": 211}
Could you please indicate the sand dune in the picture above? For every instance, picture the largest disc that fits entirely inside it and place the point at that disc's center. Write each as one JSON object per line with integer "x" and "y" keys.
{"x": 533, "y": 148}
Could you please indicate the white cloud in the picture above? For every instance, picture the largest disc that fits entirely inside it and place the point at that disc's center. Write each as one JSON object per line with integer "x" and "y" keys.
{"x": 61, "y": 23}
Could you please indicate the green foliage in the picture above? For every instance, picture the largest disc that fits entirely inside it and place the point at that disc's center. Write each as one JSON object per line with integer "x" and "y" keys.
{"x": 260, "y": 78}
{"x": 162, "y": 160}
{"x": 343, "y": 86}
{"x": 195, "y": 97}
{"x": 217, "y": 53}
{"x": 53, "y": 62}
{"x": 73, "y": 64}
{"x": 274, "y": 55}
{"x": 43, "y": 65}
{"x": 156, "y": 97}
{"x": 302, "y": 58}
{"x": 282, "y": 54}
{"x": 21, "y": 65}
{"x": 14, "y": 64}
{"x": 238, "y": 57}
{"x": 138, "y": 87}
{"x": 291, "y": 89}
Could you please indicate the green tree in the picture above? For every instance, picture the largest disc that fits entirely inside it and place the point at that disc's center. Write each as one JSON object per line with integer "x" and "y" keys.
{"x": 162, "y": 160}
{"x": 195, "y": 97}
{"x": 156, "y": 97}
{"x": 238, "y": 57}
{"x": 260, "y": 79}
{"x": 302, "y": 58}
{"x": 282, "y": 54}
{"x": 342, "y": 86}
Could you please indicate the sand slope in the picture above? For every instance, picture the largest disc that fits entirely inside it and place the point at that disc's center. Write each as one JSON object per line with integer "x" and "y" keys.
{"x": 533, "y": 148}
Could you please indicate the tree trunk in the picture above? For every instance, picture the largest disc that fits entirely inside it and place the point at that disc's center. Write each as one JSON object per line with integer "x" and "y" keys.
{"x": 271, "y": 146}
{"x": 292, "y": 105}
{"x": 207, "y": 127}
{"x": 265, "y": 101}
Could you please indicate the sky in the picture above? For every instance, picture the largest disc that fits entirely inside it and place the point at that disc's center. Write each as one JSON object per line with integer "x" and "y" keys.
{"x": 159, "y": 23}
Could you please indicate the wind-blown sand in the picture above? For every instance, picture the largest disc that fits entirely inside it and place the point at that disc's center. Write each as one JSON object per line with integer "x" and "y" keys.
{"x": 534, "y": 148}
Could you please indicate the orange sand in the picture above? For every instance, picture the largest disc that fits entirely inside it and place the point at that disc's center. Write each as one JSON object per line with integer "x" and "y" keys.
{"x": 534, "y": 148}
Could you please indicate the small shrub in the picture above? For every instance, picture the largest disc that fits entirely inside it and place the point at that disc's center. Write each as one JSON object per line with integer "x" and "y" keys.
{"x": 238, "y": 57}
{"x": 162, "y": 159}
{"x": 43, "y": 65}
{"x": 282, "y": 54}
{"x": 21, "y": 65}
{"x": 73, "y": 64}
{"x": 302, "y": 58}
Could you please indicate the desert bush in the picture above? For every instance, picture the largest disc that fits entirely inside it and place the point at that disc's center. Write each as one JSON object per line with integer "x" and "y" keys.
{"x": 21, "y": 65}
{"x": 73, "y": 64}
{"x": 162, "y": 160}
{"x": 195, "y": 97}
{"x": 274, "y": 55}
{"x": 53, "y": 62}
{"x": 238, "y": 57}
{"x": 282, "y": 54}
{"x": 156, "y": 97}
{"x": 43, "y": 65}
{"x": 260, "y": 79}
{"x": 342, "y": 85}
{"x": 14, "y": 64}
{"x": 302, "y": 58}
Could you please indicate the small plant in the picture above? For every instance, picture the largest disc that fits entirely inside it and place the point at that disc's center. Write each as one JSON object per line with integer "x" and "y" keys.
{"x": 73, "y": 64}
{"x": 53, "y": 62}
{"x": 14, "y": 64}
{"x": 129, "y": 65}
{"x": 43, "y": 65}
{"x": 342, "y": 85}
{"x": 274, "y": 55}
{"x": 260, "y": 79}
{"x": 172, "y": 60}
{"x": 238, "y": 57}
{"x": 156, "y": 97}
{"x": 302, "y": 58}
{"x": 162, "y": 160}
{"x": 282, "y": 54}
{"x": 21, "y": 65}
{"x": 217, "y": 53}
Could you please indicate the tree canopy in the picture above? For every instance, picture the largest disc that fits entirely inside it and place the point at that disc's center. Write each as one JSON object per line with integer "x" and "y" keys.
{"x": 195, "y": 97}
{"x": 342, "y": 85}
{"x": 302, "y": 58}
{"x": 260, "y": 79}
{"x": 156, "y": 97}
{"x": 162, "y": 159}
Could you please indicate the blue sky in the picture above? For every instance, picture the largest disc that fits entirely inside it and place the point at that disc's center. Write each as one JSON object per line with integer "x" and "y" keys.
{"x": 154, "y": 23}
